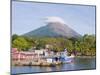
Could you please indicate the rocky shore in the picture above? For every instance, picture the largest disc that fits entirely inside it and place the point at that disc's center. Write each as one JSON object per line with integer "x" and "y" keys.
{"x": 30, "y": 63}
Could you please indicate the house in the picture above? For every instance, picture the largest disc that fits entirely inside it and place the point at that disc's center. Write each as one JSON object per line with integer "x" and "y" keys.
{"x": 49, "y": 60}
{"x": 47, "y": 46}
{"x": 22, "y": 55}
{"x": 39, "y": 52}
{"x": 26, "y": 55}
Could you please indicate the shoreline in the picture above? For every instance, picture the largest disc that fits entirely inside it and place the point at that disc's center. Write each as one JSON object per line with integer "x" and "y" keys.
{"x": 85, "y": 56}
{"x": 43, "y": 63}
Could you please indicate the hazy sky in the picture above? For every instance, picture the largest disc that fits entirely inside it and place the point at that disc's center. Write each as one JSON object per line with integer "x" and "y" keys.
{"x": 27, "y": 16}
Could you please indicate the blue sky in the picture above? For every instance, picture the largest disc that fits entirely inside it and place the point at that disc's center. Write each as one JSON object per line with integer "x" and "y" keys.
{"x": 27, "y": 16}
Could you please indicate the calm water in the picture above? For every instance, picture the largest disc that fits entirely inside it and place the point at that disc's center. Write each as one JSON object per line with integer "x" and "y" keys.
{"x": 78, "y": 64}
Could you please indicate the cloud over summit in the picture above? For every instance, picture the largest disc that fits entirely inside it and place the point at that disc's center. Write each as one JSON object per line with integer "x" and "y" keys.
{"x": 54, "y": 19}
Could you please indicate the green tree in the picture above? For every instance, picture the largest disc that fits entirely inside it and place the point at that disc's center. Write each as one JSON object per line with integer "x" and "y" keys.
{"x": 20, "y": 43}
{"x": 14, "y": 36}
{"x": 86, "y": 45}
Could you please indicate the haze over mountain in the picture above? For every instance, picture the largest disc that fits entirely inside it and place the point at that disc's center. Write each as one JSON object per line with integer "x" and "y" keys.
{"x": 55, "y": 27}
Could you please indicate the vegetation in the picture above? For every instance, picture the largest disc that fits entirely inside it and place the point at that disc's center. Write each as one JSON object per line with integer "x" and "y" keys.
{"x": 85, "y": 45}
{"x": 20, "y": 43}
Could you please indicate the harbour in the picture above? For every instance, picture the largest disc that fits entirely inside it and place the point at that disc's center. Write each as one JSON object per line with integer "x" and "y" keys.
{"x": 77, "y": 64}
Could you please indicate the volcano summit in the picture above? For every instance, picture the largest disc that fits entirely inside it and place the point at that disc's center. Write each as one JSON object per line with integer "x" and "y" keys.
{"x": 55, "y": 27}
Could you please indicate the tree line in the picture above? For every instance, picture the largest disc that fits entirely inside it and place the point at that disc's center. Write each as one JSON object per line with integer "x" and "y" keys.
{"x": 85, "y": 45}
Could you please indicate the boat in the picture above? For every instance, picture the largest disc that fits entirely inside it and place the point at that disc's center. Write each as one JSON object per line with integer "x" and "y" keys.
{"x": 67, "y": 59}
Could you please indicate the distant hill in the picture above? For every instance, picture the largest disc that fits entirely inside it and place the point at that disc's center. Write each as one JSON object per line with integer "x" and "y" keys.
{"x": 53, "y": 29}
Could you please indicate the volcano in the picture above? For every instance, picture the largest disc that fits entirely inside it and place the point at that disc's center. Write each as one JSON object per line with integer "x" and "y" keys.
{"x": 54, "y": 29}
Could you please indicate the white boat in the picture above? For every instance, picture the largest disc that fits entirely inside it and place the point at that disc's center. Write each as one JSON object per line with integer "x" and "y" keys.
{"x": 67, "y": 59}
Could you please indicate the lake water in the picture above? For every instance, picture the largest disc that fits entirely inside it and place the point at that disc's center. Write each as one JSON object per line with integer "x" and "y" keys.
{"x": 78, "y": 64}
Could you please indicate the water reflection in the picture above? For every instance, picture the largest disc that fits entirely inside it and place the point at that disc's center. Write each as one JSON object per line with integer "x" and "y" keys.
{"x": 58, "y": 68}
{"x": 48, "y": 69}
